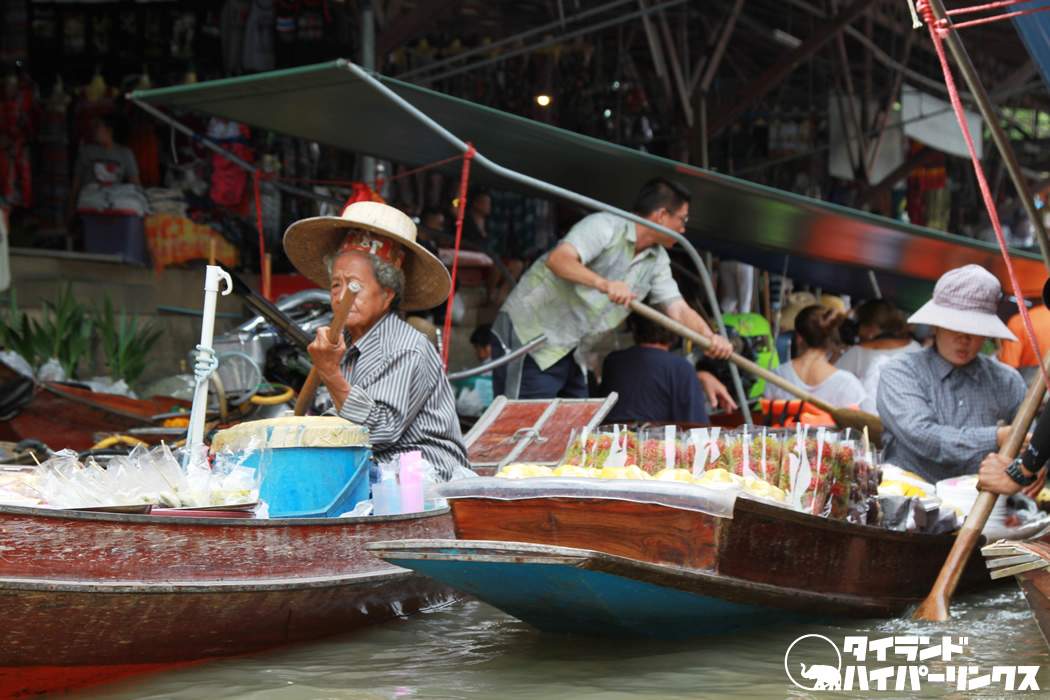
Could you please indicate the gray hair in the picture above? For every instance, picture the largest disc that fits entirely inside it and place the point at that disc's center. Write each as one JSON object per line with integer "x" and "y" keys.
{"x": 388, "y": 276}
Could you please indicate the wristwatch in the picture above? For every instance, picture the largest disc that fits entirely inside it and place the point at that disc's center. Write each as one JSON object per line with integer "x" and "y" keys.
{"x": 1014, "y": 472}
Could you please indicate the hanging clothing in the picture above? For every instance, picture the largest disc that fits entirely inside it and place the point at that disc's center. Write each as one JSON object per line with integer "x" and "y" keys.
{"x": 258, "y": 37}
{"x": 144, "y": 143}
{"x": 233, "y": 22}
{"x": 52, "y": 177}
{"x": 89, "y": 108}
{"x": 17, "y": 131}
{"x": 229, "y": 180}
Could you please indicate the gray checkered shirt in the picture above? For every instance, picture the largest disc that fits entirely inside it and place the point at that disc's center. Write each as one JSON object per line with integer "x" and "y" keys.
{"x": 939, "y": 420}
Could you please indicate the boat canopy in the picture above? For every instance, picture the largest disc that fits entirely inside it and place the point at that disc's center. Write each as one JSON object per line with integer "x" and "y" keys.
{"x": 823, "y": 244}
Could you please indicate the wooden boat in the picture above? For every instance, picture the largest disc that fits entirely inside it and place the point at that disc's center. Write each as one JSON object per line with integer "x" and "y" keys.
{"x": 1027, "y": 562}
{"x": 90, "y": 597}
{"x": 568, "y": 560}
{"x": 70, "y": 417}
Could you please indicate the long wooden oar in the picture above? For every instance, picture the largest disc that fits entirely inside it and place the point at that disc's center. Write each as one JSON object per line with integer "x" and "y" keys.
{"x": 306, "y": 394}
{"x": 844, "y": 417}
{"x": 935, "y": 607}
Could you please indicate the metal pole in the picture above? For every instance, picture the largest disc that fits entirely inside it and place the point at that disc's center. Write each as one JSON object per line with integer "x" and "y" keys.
{"x": 208, "y": 143}
{"x": 988, "y": 112}
{"x": 569, "y": 195}
{"x": 368, "y": 60}
{"x": 874, "y": 284}
{"x": 550, "y": 42}
{"x": 511, "y": 39}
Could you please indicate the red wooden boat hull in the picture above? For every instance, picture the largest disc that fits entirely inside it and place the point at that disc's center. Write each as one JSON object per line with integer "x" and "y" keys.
{"x": 92, "y": 596}
{"x": 69, "y": 417}
{"x": 883, "y": 571}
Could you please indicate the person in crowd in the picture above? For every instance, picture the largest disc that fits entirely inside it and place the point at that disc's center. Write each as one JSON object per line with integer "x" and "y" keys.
{"x": 581, "y": 290}
{"x": 941, "y": 407}
{"x": 816, "y": 333}
{"x": 481, "y": 339}
{"x": 431, "y": 221}
{"x": 883, "y": 335}
{"x": 475, "y": 230}
{"x": 381, "y": 373}
{"x": 1018, "y": 353}
{"x": 654, "y": 384}
{"x": 105, "y": 162}
{"x": 1026, "y": 473}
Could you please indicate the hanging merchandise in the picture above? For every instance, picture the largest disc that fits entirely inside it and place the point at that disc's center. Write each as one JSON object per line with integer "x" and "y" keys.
{"x": 17, "y": 130}
{"x": 258, "y": 37}
{"x": 74, "y": 34}
{"x": 52, "y": 177}
{"x": 143, "y": 141}
{"x": 93, "y": 100}
{"x": 270, "y": 202}
{"x": 14, "y": 31}
{"x": 229, "y": 180}
{"x": 234, "y": 20}
{"x": 287, "y": 14}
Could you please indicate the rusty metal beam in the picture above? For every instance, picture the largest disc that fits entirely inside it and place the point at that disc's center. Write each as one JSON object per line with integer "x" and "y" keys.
{"x": 408, "y": 25}
{"x": 787, "y": 64}
{"x": 676, "y": 68}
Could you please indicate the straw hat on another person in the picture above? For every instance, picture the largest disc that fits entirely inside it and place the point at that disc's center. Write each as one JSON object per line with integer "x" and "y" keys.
{"x": 830, "y": 301}
{"x": 796, "y": 302}
{"x": 965, "y": 301}
{"x": 374, "y": 228}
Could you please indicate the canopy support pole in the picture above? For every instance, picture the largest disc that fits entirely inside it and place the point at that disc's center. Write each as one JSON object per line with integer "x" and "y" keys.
{"x": 563, "y": 193}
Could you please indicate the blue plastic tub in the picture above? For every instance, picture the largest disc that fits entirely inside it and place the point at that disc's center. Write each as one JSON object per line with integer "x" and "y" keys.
{"x": 315, "y": 482}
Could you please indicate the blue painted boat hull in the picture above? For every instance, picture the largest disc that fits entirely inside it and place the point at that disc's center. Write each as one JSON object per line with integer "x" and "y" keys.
{"x": 570, "y": 591}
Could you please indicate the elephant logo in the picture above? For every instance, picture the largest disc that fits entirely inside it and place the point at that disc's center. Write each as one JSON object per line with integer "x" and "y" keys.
{"x": 824, "y": 675}
{"x": 827, "y": 677}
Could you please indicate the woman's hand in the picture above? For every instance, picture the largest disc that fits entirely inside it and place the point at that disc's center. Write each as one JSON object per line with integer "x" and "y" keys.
{"x": 327, "y": 358}
{"x": 717, "y": 393}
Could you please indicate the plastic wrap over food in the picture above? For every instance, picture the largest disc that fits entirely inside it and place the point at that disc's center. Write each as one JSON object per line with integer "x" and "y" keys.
{"x": 714, "y": 499}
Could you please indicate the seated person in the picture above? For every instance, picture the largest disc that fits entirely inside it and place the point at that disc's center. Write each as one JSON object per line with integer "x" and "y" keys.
{"x": 481, "y": 339}
{"x": 883, "y": 333}
{"x": 816, "y": 333}
{"x": 102, "y": 164}
{"x": 381, "y": 373}
{"x": 940, "y": 406}
{"x": 475, "y": 230}
{"x": 1018, "y": 353}
{"x": 1027, "y": 473}
{"x": 654, "y": 384}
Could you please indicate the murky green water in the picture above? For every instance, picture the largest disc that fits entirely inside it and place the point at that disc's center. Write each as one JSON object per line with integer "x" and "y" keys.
{"x": 470, "y": 650}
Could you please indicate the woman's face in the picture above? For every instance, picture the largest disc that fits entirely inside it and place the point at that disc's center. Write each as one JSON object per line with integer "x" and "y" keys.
{"x": 959, "y": 349}
{"x": 103, "y": 134}
{"x": 372, "y": 301}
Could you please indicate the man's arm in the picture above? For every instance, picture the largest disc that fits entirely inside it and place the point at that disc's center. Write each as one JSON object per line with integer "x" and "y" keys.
{"x": 680, "y": 311}
{"x": 564, "y": 261}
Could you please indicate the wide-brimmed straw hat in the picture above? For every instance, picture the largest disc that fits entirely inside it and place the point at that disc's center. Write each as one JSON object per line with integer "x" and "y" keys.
{"x": 796, "y": 302}
{"x": 309, "y": 241}
{"x": 965, "y": 301}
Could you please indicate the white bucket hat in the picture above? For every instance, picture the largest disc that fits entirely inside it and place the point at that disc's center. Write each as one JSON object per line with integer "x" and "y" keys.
{"x": 964, "y": 301}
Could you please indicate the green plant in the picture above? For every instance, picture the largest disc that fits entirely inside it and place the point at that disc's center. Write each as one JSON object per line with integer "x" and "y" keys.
{"x": 63, "y": 333}
{"x": 125, "y": 342}
{"x": 16, "y": 332}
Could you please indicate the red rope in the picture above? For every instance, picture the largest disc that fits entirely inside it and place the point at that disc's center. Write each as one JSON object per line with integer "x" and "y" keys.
{"x": 978, "y": 8}
{"x": 455, "y": 260}
{"x": 938, "y": 31}
{"x": 996, "y": 18}
{"x": 256, "y": 176}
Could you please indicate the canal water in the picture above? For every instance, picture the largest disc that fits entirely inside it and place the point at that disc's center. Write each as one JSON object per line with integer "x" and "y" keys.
{"x": 471, "y": 650}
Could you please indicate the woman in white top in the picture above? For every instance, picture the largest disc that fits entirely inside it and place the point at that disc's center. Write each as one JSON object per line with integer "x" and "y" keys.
{"x": 816, "y": 331}
{"x": 883, "y": 333}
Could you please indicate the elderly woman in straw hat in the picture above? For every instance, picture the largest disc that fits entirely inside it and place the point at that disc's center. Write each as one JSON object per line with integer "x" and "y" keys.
{"x": 382, "y": 373}
{"x": 940, "y": 406}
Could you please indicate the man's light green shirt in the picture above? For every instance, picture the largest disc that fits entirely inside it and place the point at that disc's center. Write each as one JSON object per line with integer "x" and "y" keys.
{"x": 578, "y": 316}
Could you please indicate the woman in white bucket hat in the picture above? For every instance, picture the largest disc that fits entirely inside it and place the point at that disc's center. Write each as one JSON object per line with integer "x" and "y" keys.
{"x": 382, "y": 373}
{"x": 941, "y": 406}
